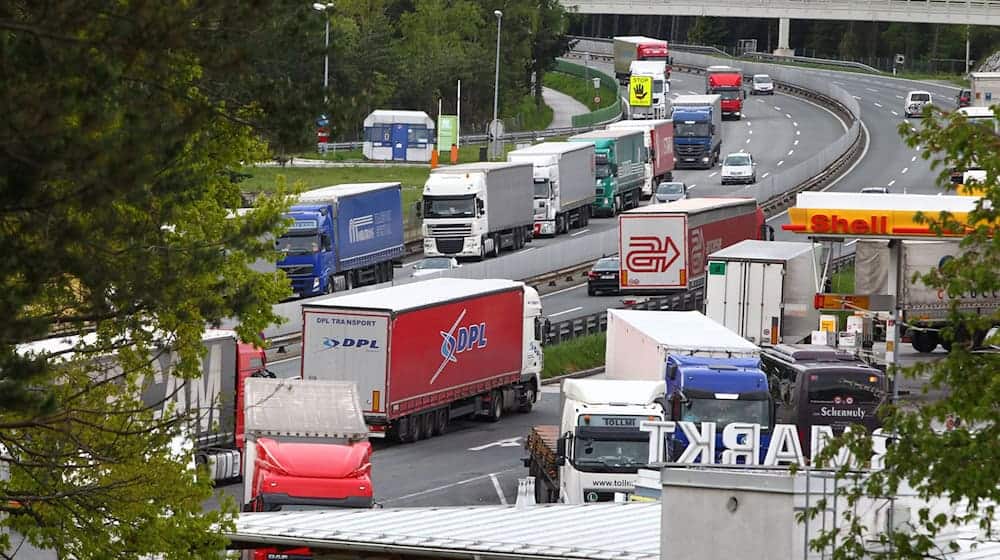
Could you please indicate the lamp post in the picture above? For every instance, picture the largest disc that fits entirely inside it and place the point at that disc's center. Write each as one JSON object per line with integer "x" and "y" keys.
{"x": 496, "y": 82}
{"x": 320, "y": 7}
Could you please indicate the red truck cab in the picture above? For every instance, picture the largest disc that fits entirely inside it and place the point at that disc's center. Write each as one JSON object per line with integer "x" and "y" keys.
{"x": 655, "y": 50}
{"x": 728, "y": 84}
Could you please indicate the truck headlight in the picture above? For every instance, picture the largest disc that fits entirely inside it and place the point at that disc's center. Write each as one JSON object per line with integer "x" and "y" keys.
{"x": 705, "y": 159}
{"x": 315, "y": 283}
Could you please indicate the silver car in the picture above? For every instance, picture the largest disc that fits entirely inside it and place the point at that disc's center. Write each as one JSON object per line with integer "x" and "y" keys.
{"x": 669, "y": 191}
{"x": 433, "y": 265}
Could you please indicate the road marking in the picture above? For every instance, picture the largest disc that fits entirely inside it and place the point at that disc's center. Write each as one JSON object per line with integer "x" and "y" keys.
{"x": 895, "y": 113}
{"x": 496, "y": 485}
{"x": 581, "y": 232}
{"x": 750, "y": 131}
{"x": 798, "y": 132}
{"x": 891, "y": 183}
{"x": 877, "y": 104}
{"x": 776, "y": 108}
{"x": 780, "y": 163}
{"x": 764, "y": 176}
{"x": 693, "y": 92}
{"x": 905, "y": 169}
{"x": 451, "y": 485}
{"x": 760, "y": 101}
{"x": 872, "y": 90}
{"x": 795, "y": 123}
{"x": 564, "y": 290}
{"x": 508, "y": 442}
{"x": 839, "y": 83}
{"x": 787, "y": 115}
{"x": 564, "y": 312}
{"x": 835, "y": 115}
{"x": 790, "y": 152}
{"x": 713, "y": 174}
{"x": 524, "y": 250}
{"x": 914, "y": 158}
{"x": 286, "y": 360}
{"x": 795, "y": 143}
{"x": 692, "y": 186}
{"x": 856, "y": 97}
{"x": 748, "y": 141}
{"x": 913, "y": 129}
{"x": 899, "y": 97}
{"x": 748, "y": 123}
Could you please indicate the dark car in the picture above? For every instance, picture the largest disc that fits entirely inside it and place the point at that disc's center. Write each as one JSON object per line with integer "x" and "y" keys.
{"x": 964, "y": 98}
{"x": 603, "y": 277}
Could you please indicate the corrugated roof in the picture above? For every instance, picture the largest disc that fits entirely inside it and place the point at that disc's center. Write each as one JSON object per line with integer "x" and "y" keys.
{"x": 334, "y": 192}
{"x": 416, "y": 294}
{"x": 540, "y": 531}
{"x": 686, "y": 330}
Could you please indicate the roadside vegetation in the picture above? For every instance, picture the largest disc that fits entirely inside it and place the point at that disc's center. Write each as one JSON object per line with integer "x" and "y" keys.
{"x": 580, "y": 89}
{"x": 578, "y": 354}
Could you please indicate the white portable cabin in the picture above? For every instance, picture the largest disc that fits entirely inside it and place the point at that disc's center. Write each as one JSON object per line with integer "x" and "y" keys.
{"x": 398, "y": 136}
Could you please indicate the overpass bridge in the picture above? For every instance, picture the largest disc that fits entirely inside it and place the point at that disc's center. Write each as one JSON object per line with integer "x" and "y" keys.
{"x": 962, "y": 12}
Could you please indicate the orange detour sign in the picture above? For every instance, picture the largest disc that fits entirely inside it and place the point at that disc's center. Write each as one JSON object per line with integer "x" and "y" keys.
{"x": 883, "y": 216}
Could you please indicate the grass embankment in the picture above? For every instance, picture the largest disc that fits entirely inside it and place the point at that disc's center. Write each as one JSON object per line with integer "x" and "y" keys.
{"x": 578, "y": 354}
{"x": 580, "y": 89}
{"x": 264, "y": 179}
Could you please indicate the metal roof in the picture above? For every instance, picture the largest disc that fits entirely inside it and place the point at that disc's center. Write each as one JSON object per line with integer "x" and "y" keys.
{"x": 885, "y": 202}
{"x": 334, "y": 192}
{"x": 762, "y": 250}
{"x": 64, "y": 345}
{"x": 537, "y": 531}
{"x": 685, "y": 330}
{"x": 692, "y": 205}
{"x": 307, "y": 409}
{"x": 608, "y": 391}
{"x": 550, "y": 148}
{"x": 388, "y": 116}
{"x": 416, "y": 295}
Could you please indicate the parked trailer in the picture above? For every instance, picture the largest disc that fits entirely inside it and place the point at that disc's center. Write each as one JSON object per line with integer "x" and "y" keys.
{"x": 664, "y": 247}
{"x": 343, "y": 236}
{"x": 925, "y": 309}
{"x": 659, "y": 141}
{"x": 424, "y": 353}
{"x": 763, "y": 290}
{"x": 478, "y": 209}
{"x": 215, "y": 398}
{"x": 564, "y": 175}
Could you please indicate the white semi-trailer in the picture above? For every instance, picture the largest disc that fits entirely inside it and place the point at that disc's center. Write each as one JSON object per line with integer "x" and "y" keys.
{"x": 564, "y": 175}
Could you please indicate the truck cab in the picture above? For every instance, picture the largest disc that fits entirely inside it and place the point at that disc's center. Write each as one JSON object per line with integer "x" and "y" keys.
{"x": 656, "y": 71}
{"x": 721, "y": 390}
{"x": 728, "y": 84}
{"x": 308, "y": 250}
{"x": 620, "y": 168}
{"x": 697, "y": 130}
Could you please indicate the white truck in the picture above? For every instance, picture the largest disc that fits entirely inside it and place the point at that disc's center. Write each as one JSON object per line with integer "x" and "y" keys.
{"x": 477, "y": 209}
{"x": 656, "y": 72}
{"x": 564, "y": 175}
{"x": 597, "y": 449}
{"x": 763, "y": 290}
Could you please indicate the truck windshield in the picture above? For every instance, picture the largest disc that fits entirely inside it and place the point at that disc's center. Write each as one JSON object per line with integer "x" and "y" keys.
{"x": 450, "y": 206}
{"x": 657, "y": 86}
{"x": 728, "y": 93}
{"x": 542, "y": 189}
{"x": 596, "y": 454}
{"x": 727, "y": 411}
{"x": 691, "y": 129}
{"x": 297, "y": 244}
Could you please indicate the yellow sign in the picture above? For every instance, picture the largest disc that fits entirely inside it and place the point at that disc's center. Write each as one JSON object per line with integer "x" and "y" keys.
{"x": 640, "y": 91}
{"x": 860, "y": 223}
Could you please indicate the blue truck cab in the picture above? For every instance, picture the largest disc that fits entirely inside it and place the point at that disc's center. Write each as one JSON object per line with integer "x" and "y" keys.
{"x": 720, "y": 390}
{"x": 342, "y": 236}
{"x": 697, "y": 130}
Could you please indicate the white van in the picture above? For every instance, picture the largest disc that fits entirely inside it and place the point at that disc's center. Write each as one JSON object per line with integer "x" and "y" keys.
{"x": 914, "y": 103}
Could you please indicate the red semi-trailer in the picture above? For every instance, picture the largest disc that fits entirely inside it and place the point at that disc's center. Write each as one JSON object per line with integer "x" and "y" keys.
{"x": 664, "y": 247}
{"x": 726, "y": 82}
{"x": 632, "y": 48}
{"x": 424, "y": 353}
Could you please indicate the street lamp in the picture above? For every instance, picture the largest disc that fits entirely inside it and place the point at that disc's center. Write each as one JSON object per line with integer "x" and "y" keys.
{"x": 320, "y": 7}
{"x": 496, "y": 83}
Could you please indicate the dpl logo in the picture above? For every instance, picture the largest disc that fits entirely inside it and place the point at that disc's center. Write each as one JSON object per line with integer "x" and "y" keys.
{"x": 650, "y": 254}
{"x": 458, "y": 340}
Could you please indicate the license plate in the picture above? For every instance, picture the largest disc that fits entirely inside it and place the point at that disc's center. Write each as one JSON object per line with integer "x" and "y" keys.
{"x": 607, "y": 276}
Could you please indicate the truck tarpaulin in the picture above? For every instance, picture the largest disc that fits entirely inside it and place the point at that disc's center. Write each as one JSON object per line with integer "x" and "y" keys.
{"x": 369, "y": 223}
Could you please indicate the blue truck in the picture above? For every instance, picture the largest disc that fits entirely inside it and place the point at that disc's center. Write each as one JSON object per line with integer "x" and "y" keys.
{"x": 342, "y": 236}
{"x": 712, "y": 374}
{"x": 697, "y": 130}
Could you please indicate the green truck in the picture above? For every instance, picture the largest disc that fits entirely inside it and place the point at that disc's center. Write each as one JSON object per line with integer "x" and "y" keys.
{"x": 620, "y": 156}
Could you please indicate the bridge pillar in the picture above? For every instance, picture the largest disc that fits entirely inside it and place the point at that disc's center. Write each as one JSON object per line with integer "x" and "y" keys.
{"x": 783, "y": 49}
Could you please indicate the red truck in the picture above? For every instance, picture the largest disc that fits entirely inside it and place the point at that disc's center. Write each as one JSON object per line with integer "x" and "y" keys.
{"x": 727, "y": 82}
{"x": 659, "y": 142}
{"x": 306, "y": 448}
{"x": 664, "y": 247}
{"x": 629, "y": 49}
{"x": 424, "y": 353}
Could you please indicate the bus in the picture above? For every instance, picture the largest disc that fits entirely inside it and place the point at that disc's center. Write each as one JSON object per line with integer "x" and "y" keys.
{"x": 817, "y": 385}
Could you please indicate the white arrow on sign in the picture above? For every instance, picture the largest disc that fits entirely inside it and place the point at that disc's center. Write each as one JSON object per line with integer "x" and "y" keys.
{"x": 509, "y": 442}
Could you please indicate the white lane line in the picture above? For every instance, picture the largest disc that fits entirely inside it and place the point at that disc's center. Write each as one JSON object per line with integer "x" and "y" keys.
{"x": 894, "y": 113}
{"x": 872, "y": 90}
{"x": 496, "y": 485}
{"x": 276, "y": 362}
{"x": 692, "y": 186}
{"x": 564, "y": 290}
{"x": 581, "y": 232}
{"x": 798, "y": 132}
{"x": 790, "y": 152}
{"x": 839, "y": 83}
{"x": 564, "y": 312}
{"x": 693, "y": 92}
{"x": 891, "y": 183}
{"x": 776, "y": 108}
{"x": 795, "y": 143}
{"x": 452, "y": 485}
{"x": 760, "y": 101}
{"x": 914, "y": 158}
{"x": 764, "y": 176}
{"x": 835, "y": 115}
{"x": 905, "y": 169}
{"x": 750, "y": 131}
{"x": 780, "y": 163}
{"x": 748, "y": 123}
{"x": 525, "y": 250}
{"x": 856, "y": 97}
{"x": 795, "y": 123}
{"x": 748, "y": 141}
{"x": 913, "y": 129}
{"x": 899, "y": 97}
{"x": 787, "y": 115}
{"x": 877, "y": 104}
{"x": 713, "y": 174}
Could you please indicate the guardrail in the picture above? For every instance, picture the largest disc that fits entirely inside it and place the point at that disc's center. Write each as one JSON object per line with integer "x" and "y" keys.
{"x": 759, "y": 56}
{"x": 601, "y": 116}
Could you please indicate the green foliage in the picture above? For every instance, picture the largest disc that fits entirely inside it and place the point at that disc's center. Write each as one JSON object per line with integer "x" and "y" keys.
{"x": 118, "y": 140}
{"x": 963, "y": 464}
{"x": 707, "y": 31}
{"x": 531, "y": 116}
{"x": 580, "y": 89}
{"x": 578, "y": 354}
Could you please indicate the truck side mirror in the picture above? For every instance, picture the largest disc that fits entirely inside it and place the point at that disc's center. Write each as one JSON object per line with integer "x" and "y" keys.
{"x": 675, "y": 407}
{"x": 672, "y": 372}
{"x": 561, "y": 450}
{"x": 480, "y": 205}
{"x": 418, "y": 206}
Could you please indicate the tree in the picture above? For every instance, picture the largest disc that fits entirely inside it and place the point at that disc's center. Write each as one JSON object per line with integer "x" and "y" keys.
{"x": 117, "y": 143}
{"x": 962, "y": 464}
{"x": 707, "y": 31}
{"x": 549, "y": 41}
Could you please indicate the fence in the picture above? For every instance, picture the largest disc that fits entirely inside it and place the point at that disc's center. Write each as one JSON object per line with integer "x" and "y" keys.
{"x": 600, "y": 116}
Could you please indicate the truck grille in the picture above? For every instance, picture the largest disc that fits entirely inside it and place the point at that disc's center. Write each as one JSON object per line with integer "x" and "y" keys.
{"x": 449, "y": 230}
{"x": 689, "y": 150}
{"x": 449, "y": 246}
{"x": 298, "y": 270}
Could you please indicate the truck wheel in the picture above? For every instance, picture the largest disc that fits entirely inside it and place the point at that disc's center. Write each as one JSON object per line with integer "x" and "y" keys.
{"x": 416, "y": 433}
{"x": 496, "y": 407}
{"x": 440, "y": 421}
{"x": 496, "y": 245}
{"x": 529, "y": 399}
{"x": 401, "y": 429}
{"x": 584, "y": 216}
{"x": 427, "y": 424}
{"x": 924, "y": 341}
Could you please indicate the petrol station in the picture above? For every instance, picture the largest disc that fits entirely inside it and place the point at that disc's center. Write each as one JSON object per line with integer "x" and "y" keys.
{"x": 830, "y": 218}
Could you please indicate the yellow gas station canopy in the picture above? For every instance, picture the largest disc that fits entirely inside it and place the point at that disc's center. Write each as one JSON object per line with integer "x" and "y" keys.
{"x": 878, "y": 216}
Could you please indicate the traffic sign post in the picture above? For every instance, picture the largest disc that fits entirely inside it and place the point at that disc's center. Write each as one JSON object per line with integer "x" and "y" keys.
{"x": 495, "y": 132}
